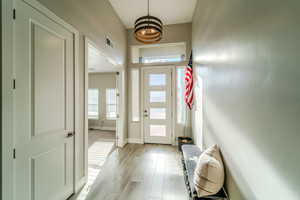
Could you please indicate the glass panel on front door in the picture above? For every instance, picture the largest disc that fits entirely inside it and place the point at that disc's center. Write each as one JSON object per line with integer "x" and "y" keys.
{"x": 157, "y": 79}
{"x": 157, "y": 113}
{"x": 158, "y": 130}
{"x": 157, "y": 96}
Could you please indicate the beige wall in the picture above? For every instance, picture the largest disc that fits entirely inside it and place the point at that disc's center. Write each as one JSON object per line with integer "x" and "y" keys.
{"x": 102, "y": 81}
{"x": 94, "y": 19}
{"x": 247, "y": 53}
{"x": 171, "y": 34}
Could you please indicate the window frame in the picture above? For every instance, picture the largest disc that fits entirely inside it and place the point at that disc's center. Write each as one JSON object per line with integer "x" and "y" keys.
{"x": 107, "y": 104}
{"x": 135, "y": 100}
{"x": 94, "y": 117}
{"x": 175, "y": 56}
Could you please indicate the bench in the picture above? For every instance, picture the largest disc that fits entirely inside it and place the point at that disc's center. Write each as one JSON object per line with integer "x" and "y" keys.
{"x": 190, "y": 155}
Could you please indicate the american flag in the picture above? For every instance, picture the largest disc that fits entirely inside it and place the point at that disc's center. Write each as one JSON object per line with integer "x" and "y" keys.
{"x": 189, "y": 84}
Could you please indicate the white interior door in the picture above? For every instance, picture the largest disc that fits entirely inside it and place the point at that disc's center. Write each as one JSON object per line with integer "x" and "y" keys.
{"x": 44, "y": 106}
{"x": 157, "y": 105}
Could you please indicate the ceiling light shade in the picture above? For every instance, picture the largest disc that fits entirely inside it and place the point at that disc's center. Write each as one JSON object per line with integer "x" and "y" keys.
{"x": 148, "y": 29}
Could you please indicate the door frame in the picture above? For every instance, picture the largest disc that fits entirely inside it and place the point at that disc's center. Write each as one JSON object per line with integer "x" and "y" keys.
{"x": 173, "y": 100}
{"x": 8, "y": 75}
{"x": 120, "y": 122}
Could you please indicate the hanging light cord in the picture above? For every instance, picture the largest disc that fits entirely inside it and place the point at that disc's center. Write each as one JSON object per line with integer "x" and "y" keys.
{"x": 148, "y": 12}
{"x": 148, "y": 7}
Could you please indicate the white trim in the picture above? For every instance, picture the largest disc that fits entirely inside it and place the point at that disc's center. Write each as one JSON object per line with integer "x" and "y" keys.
{"x": 122, "y": 143}
{"x": 174, "y": 105}
{"x": 135, "y": 141}
{"x": 85, "y": 117}
{"x": 77, "y": 112}
{"x": 41, "y": 8}
{"x": 80, "y": 184}
{"x": 141, "y": 104}
{"x": 7, "y": 101}
{"x": 125, "y": 142}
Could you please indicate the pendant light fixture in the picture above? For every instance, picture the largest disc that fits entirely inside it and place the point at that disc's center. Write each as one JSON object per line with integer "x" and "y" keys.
{"x": 148, "y": 29}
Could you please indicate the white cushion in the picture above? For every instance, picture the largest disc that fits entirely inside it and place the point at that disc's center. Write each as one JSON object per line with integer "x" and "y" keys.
{"x": 209, "y": 173}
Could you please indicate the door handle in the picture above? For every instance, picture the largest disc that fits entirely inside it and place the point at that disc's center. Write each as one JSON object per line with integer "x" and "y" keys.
{"x": 70, "y": 134}
{"x": 145, "y": 113}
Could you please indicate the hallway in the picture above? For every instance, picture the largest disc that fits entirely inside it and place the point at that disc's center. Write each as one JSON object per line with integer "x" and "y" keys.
{"x": 150, "y": 172}
{"x": 97, "y": 97}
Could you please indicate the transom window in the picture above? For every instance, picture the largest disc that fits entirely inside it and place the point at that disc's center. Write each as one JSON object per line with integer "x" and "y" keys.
{"x": 159, "y": 53}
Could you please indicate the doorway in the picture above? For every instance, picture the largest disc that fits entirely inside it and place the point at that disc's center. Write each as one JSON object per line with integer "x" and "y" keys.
{"x": 102, "y": 106}
{"x": 157, "y": 105}
{"x": 102, "y": 117}
{"x": 104, "y": 99}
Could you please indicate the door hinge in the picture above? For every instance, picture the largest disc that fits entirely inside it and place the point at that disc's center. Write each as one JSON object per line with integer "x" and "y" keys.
{"x": 14, "y": 13}
{"x": 14, "y": 153}
{"x": 14, "y": 84}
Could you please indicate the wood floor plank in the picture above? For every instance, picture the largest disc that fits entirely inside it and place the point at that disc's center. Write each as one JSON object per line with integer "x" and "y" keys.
{"x": 135, "y": 172}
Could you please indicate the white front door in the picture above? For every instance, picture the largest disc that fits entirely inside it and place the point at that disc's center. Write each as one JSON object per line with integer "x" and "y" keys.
{"x": 157, "y": 103}
{"x": 44, "y": 106}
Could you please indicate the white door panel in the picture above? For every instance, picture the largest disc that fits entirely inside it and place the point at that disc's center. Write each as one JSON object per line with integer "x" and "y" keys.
{"x": 44, "y": 107}
{"x": 157, "y": 105}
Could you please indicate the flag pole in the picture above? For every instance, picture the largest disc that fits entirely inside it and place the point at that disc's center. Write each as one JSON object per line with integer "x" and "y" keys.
{"x": 189, "y": 93}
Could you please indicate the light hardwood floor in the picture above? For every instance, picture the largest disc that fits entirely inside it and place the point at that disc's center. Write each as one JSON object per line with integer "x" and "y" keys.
{"x": 140, "y": 172}
{"x": 98, "y": 135}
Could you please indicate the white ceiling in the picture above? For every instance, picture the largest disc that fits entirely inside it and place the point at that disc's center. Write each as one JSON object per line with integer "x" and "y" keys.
{"x": 98, "y": 62}
{"x": 169, "y": 11}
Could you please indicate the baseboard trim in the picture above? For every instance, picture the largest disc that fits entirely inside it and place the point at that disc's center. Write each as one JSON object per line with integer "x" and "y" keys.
{"x": 104, "y": 128}
{"x": 135, "y": 141}
{"x": 125, "y": 142}
{"x": 80, "y": 184}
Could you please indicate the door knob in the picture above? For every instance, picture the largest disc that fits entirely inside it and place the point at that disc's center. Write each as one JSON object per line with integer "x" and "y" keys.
{"x": 70, "y": 134}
